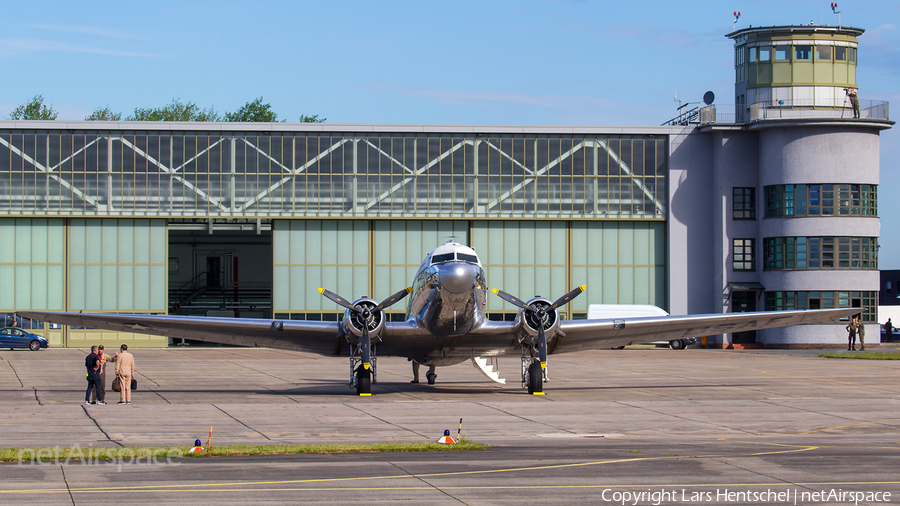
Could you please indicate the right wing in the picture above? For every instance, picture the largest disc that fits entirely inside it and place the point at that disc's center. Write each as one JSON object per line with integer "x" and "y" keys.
{"x": 599, "y": 334}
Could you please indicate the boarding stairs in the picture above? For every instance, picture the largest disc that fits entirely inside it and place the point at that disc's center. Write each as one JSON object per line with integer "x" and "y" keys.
{"x": 490, "y": 366}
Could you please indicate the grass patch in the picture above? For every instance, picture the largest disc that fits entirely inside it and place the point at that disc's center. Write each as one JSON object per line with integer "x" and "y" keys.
{"x": 863, "y": 355}
{"x": 148, "y": 454}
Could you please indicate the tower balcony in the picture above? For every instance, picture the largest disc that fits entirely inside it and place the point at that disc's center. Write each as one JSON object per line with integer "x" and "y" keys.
{"x": 774, "y": 110}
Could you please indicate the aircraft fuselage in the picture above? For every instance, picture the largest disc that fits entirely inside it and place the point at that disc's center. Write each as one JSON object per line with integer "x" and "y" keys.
{"x": 449, "y": 292}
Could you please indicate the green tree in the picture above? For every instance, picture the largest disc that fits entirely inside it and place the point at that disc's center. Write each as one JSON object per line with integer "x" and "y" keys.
{"x": 104, "y": 114}
{"x": 35, "y": 109}
{"x": 176, "y": 111}
{"x": 255, "y": 111}
{"x": 311, "y": 119}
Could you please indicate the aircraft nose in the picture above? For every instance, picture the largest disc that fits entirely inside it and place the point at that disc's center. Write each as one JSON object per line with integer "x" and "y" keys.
{"x": 457, "y": 277}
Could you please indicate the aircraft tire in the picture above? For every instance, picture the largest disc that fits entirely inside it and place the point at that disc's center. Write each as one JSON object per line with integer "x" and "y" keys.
{"x": 363, "y": 381}
{"x": 535, "y": 378}
{"x": 677, "y": 344}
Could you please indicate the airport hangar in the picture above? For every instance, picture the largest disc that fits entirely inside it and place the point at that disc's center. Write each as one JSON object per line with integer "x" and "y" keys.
{"x": 769, "y": 206}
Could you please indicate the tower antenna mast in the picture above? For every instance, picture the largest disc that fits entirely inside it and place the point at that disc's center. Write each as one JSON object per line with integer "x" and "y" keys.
{"x": 834, "y": 10}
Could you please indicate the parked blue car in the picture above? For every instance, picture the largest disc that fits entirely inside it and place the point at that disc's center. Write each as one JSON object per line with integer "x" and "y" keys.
{"x": 14, "y": 337}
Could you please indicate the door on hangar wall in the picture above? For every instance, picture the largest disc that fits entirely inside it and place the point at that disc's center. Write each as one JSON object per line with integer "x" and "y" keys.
{"x": 220, "y": 268}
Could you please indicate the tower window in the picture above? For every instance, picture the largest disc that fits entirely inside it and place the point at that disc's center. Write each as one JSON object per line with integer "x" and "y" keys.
{"x": 743, "y": 206}
{"x": 802, "y": 52}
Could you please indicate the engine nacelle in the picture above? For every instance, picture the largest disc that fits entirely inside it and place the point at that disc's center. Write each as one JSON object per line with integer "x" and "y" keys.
{"x": 353, "y": 324}
{"x": 528, "y": 324}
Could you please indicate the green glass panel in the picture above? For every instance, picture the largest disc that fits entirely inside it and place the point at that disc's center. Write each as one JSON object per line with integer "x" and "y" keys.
{"x": 23, "y": 286}
{"x": 626, "y": 285}
{"x": 55, "y": 288}
{"x": 642, "y": 285}
{"x": 109, "y": 242}
{"x": 39, "y": 241}
{"x": 142, "y": 288}
{"x": 7, "y": 236}
{"x": 22, "y": 244}
{"x": 39, "y": 287}
{"x": 610, "y": 285}
{"x": 77, "y": 287}
{"x": 124, "y": 231}
{"x": 143, "y": 243}
{"x": 108, "y": 284}
{"x": 125, "y": 288}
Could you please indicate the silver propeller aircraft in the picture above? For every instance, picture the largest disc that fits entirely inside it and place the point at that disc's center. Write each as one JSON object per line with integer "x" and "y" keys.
{"x": 445, "y": 325}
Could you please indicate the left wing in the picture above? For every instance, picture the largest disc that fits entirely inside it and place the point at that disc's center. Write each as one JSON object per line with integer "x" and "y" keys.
{"x": 577, "y": 335}
{"x": 323, "y": 338}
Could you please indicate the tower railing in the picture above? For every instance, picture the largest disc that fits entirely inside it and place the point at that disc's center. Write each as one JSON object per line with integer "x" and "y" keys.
{"x": 794, "y": 109}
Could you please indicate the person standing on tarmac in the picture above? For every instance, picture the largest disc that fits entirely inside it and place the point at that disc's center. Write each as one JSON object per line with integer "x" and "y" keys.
{"x": 124, "y": 373}
{"x": 104, "y": 358}
{"x": 861, "y": 330}
{"x": 92, "y": 364}
{"x": 851, "y": 335}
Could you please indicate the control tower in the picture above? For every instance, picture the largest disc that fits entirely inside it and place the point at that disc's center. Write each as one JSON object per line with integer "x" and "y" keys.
{"x": 782, "y": 71}
{"x": 797, "y": 170}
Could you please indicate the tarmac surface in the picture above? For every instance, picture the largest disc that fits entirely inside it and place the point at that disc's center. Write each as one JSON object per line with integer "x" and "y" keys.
{"x": 633, "y": 426}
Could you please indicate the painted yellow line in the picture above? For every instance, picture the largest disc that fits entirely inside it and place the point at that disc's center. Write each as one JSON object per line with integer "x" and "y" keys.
{"x": 828, "y": 380}
{"x": 193, "y": 486}
{"x": 472, "y": 487}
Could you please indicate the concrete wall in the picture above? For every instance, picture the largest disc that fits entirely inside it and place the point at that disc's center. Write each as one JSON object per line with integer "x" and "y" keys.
{"x": 692, "y": 287}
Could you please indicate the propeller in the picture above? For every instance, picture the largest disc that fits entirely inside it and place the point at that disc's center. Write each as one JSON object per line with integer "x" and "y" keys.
{"x": 540, "y": 315}
{"x": 365, "y": 313}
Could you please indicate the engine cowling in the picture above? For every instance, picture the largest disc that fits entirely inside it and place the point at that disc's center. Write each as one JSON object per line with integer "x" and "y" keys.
{"x": 528, "y": 324}
{"x": 353, "y": 321}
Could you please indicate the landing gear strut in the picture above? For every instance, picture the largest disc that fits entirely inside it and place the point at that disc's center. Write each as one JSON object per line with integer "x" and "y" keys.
{"x": 533, "y": 375}
{"x": 361, "y": 378}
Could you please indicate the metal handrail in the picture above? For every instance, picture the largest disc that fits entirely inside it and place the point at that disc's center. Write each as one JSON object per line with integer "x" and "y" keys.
{"x": 878, "y": 110}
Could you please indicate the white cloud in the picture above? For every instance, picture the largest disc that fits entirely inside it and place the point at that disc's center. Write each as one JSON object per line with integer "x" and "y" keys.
{"x": 19, "y": 46}
{"x": 88, "y": 30}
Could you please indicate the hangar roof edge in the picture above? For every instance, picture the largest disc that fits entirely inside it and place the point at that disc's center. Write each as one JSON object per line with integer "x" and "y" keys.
{"x": 337, "y": 127}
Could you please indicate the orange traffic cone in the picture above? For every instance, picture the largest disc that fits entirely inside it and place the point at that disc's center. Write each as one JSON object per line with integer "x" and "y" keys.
{"x": 446, "y": 439}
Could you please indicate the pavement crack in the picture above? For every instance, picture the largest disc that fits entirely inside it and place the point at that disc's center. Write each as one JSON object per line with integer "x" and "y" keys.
{"x": 68, "y": 488}
{"x": 554, "y": 427}
{"x": 38, "y": 399}
{"x": 422, "y": 480}
{"x": 262, "y": 372}
{"x": 147, "y": 378}
{"x": 684, "y": 417}
{"x": 240, "y": 422}
{"x": 111, "y": 440}
{"x": 22, "y": 385}
{"x": 382, "y": 420}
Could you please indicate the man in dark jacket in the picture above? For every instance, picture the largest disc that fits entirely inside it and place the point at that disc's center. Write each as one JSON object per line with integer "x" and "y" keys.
{"x": 92, "y": 364}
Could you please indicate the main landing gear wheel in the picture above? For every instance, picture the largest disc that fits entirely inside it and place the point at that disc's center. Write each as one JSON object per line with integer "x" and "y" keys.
{"x": 363, "y": 381}
{"x": 34, "y": 345}
{"x": 535, "y": 378}
{"x": 431, "y": 377}
{"x": 677, "y": 344}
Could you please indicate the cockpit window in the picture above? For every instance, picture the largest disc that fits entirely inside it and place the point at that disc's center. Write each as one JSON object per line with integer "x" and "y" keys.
{"x": 467, "y": 258}
{"x": 445, "y": 257}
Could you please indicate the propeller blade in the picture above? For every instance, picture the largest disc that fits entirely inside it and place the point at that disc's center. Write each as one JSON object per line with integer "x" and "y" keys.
{"x": 567, "y": 297}
{"x": 365, "y": 345}
{"x": 393, "y": 299}
{"x": 337, "y": 299}
{"x": 542, "y": 346}
{"x": 509, "y": 298}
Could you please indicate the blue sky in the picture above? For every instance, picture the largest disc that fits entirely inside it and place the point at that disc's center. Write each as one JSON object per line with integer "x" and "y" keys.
{"x": 524, "y": 62}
